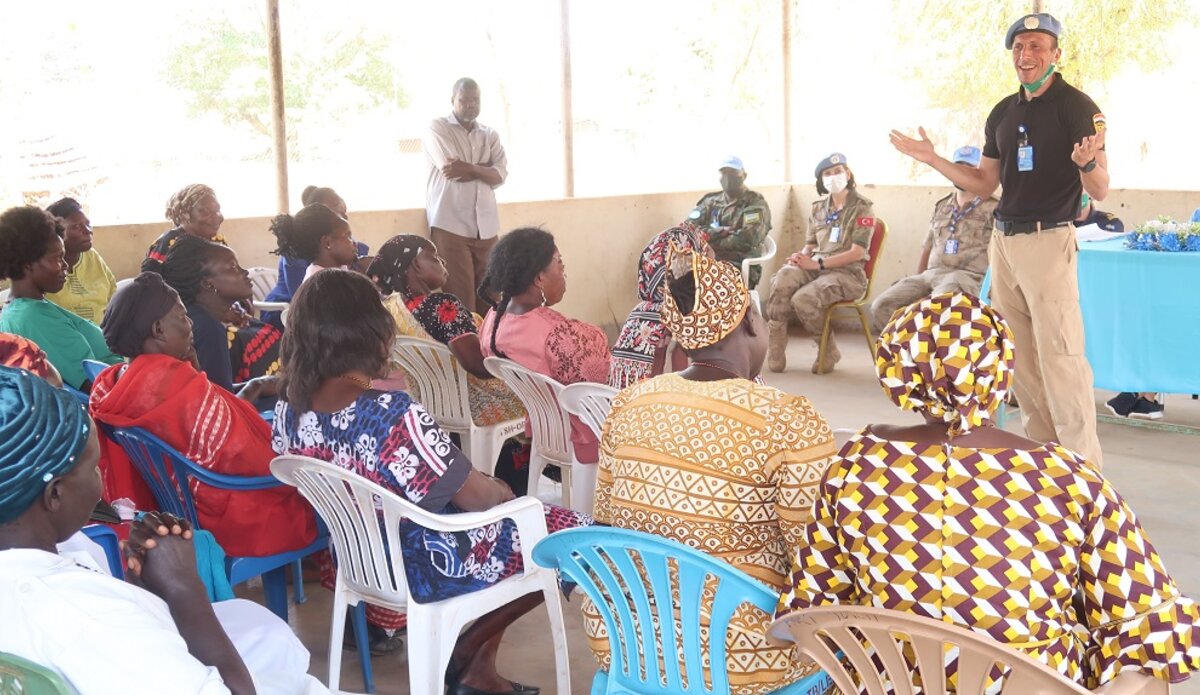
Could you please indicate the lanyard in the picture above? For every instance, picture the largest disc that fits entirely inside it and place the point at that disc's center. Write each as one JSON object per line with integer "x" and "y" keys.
{"x": 832, "y": 216}
{"x": 957, "y": 215}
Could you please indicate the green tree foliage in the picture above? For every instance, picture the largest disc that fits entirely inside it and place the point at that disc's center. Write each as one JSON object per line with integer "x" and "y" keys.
{"x": 957, "y": 48}
{"x": 330, "y": 76}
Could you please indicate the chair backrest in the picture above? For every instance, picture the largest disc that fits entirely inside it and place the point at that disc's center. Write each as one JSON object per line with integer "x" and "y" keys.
{"x": 629, "y": 577}
{"x": 549, "y": 422}
{"x": 589, "y": 402}
{"x": 439, "y": 378}
{"x": 121, "y": 284}
{"x": 877, "y": 238}
{"x": 4, "y": 298}
{"x": 768, "y": 252}
{"x": 363, "y": 520}
{"x": 870, "y": 638}
{"x": 92, "y": 368}
{"x": 20, "y": 675}
{"x": 106, "y": 538}
{"x": 263, "y": 280}
{"x": 172, "y": 478}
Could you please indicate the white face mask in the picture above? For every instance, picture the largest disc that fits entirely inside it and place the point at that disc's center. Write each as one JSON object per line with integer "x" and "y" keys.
{"x": 835, "y": 183}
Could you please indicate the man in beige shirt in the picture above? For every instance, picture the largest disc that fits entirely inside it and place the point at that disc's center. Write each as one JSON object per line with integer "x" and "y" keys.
{"x": 466, "y": 164}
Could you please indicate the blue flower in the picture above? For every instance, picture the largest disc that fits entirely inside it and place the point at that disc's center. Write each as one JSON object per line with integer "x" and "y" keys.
{"x": 1169, "y": 241}
{"x": 1192, "y": 243}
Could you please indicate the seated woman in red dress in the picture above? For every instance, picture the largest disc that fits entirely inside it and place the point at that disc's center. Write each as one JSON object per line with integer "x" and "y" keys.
{"x": 162, "y": 391}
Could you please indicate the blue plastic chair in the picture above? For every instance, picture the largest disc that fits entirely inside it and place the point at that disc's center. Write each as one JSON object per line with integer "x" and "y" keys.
{"x": 106, "y": 538}
{"x": 92, "y": 368}
{"x": 604, "y": 563}
{"x": 79, "y": 395}
{"x": 161, "y": 466}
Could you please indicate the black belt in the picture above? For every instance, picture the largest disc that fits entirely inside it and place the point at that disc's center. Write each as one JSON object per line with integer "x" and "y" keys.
{"x": 1011, "y": 228}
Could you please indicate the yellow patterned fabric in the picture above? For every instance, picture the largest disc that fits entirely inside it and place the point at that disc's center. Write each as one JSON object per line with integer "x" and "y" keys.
{"x": 998, "y": 541}
{"x": 949, "y": 356}
{"x": 721, "y": 301}
{"x": 728, "y": 467}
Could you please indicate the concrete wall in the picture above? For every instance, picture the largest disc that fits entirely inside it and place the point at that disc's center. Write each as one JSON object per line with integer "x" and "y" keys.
{"x": 600, "y": 238}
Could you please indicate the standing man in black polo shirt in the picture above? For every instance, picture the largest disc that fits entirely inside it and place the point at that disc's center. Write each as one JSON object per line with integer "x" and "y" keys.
{"x": 1045, "y": 144}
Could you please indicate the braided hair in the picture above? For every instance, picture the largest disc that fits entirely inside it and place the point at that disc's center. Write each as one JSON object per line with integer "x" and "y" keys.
{"x": 300, "y": 236}
{"x": 515, "y": 262}
{"x": 185, "y": 266}
{"x": 389, "y": 270}
{"x": 25, "y": 236}
{"x": 179, "y": 207}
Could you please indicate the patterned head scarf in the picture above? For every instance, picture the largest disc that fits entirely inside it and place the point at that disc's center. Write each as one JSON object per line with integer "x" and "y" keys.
{"x": 643, "y": 332}
{"x": 133, "y": 310}
{"x": 179, "y": 207}
{"x": 949, "y": 356}
{"x": 394, "y": 259}
{"x": 43, "y": 429}
{"x": 721, "y": 303}
{"x": 23, "y": 353}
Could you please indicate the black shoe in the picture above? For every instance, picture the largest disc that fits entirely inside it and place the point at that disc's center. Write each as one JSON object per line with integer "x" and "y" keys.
{"x": 1122, "y": 405}
{"x": 1146, "y": 409}
{"x": 517, "y": 689}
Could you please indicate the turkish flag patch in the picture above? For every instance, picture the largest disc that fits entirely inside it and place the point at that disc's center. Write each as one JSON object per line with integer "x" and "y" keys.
{"x": 866, "y": 221}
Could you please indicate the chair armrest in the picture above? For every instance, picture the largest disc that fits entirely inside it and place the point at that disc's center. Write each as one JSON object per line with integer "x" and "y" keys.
{"x": 522, "y": 509}
{"x": 262, "y": 305}
{"x": 233, "y": 482}
{"x": 1134, "y": 683}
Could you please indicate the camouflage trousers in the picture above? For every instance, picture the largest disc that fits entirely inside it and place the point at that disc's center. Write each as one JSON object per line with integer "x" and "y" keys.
{"x": 804, "y": 295}
{"x": 917, "y": 287}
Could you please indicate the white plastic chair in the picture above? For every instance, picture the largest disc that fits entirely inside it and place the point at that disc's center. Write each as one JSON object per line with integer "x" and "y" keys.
{"x": 263, "y": 280}
{"x": 768, "y": 253}
{"x": 364, "y": 527}
{"x": 589, "y": 402}
{"x": 4, "y": 297}
{"x": 860, "y": 632}
{"x": 124, "y": 283}
{"x": 442, "y": 382}
{"x": 551, "y": 426}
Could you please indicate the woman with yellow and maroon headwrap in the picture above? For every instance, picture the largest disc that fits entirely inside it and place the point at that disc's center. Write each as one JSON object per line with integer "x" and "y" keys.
{"x": 193, "y": 210}
{"x": 960, "y": 521}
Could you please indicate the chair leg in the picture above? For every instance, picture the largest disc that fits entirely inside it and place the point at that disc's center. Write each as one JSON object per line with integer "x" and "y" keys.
{"x": 363, "y": 640}
{"x": 862, "y": 318}
{"x": 567, "y": 476}
{"x": 583, "y": 486}
{"x": 429, "y": 656}
{"x": 275, "y": 591}
{"x": 537, "y": 464}
{"x": 558, "y": 631}
{"x": 337, "y": 627}
{"x": 298, "y": 582}
{"x": 824, "y": 336}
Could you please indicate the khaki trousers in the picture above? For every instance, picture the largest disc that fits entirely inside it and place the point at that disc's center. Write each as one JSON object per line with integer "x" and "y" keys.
{"x": 804, "y": 295}
{"x": 1035, "y": 286}
{"x": 466, "y": 263}
{"x": 917, "y": 287}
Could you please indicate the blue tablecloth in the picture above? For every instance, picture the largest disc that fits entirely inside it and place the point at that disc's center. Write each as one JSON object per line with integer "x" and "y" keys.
{"x": 1141, "y": 317}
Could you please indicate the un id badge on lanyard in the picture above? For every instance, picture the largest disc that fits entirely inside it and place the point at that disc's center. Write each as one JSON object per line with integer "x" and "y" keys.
{"x": 951, "y": 248}
{"x": 1024, "y": 150}
{"x": 835, "y": 232}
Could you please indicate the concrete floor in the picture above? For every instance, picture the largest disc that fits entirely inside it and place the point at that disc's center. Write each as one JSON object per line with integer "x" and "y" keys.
{"x": 1156, "y": 471}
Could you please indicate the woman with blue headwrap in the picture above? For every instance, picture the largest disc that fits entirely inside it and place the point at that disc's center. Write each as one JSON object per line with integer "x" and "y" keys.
{"x": 64, "y": 615}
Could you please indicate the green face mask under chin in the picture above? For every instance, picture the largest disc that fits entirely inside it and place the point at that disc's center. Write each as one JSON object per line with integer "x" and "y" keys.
{"x": 1032, "y": 87}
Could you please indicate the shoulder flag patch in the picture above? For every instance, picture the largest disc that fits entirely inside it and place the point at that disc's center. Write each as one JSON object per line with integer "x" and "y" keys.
{"x": 866, "y": 221}
{"x": 1099, "y": 122}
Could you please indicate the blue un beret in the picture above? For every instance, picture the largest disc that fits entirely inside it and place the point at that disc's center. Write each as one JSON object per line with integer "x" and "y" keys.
{"x": 831, "y": 161}
{"x": 1042, "y": 22}
{"x": 967, "y": 154}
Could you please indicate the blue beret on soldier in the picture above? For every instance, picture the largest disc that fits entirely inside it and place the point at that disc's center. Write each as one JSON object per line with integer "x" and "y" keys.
{"x": 1042, "y": 22}
{"x": 831, "y": 161}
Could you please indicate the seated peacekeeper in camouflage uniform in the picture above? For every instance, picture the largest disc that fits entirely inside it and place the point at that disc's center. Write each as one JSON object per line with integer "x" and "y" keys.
{"x": 736, "y": 218}
{"x": 829, "y": 269}
{"x": 954, "y": 255}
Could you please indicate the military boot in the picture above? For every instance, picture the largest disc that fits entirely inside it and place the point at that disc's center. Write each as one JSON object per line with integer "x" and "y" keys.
{"x": 777, "y": 340}
{"x": 832, "y": 356}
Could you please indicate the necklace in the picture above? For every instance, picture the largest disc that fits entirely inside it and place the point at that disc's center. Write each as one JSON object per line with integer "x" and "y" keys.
{"x": 698, "y": 363}
{"x": 366, "y": 384}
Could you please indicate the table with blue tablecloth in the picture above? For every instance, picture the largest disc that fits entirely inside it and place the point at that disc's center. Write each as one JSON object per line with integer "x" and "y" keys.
{"x": 1141, "y": 317}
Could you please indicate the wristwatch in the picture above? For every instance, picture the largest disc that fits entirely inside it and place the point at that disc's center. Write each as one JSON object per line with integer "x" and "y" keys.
{"x": 821, "y": 263}
{"x": 1087, "y": 168}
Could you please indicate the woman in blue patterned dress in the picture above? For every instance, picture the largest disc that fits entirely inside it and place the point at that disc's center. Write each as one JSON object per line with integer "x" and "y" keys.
{"x": 337, "y": 341}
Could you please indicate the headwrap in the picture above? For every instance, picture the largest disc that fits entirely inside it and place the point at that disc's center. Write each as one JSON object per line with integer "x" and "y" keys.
{"x": 393, "y": 261}
{"x": 949, "y": 356}
{"x": 180, "y": 205}
{"x": 132, "y": 311}
{"x": 43, "y": 430}
{"x": 643, "y": 332}
{"x": 23, "y": 353}
{"x": 721, "y": 302}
